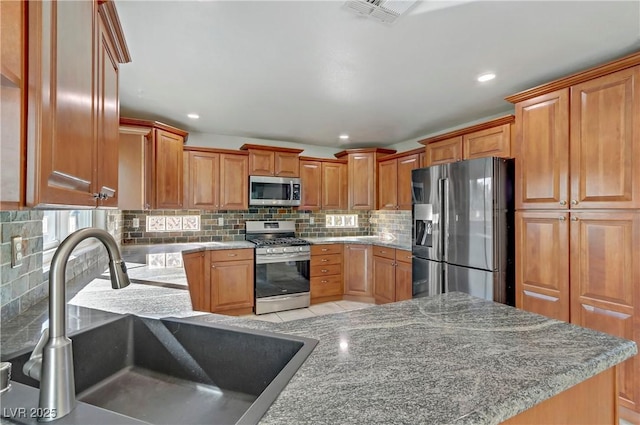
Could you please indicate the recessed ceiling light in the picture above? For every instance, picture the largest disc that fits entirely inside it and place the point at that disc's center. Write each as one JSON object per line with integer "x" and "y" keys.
{"x": 486, "y": 77}
{"x": 193, "y": 116}
{"x": 344, "y": 137}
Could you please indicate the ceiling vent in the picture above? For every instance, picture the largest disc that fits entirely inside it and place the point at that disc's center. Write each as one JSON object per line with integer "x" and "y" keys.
{"x": 383, "y": 10}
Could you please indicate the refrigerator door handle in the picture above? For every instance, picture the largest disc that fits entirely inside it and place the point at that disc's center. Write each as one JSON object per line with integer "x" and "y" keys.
{"x": 444, "y": 223}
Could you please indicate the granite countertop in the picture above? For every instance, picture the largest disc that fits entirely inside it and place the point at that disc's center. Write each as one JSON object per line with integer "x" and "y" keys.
{"x": 448, "y": 359}
{"x": 399, "y": 243}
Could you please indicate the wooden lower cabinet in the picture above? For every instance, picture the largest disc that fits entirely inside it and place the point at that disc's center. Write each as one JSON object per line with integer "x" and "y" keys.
{"x": 221, "y": 281}
{"x": 326, "y": 273}
{"x": 584, "y": 267}
{"x": 358, "y": 278}
{"x": 590, "y": 402}
{"x": 391, "y": 275}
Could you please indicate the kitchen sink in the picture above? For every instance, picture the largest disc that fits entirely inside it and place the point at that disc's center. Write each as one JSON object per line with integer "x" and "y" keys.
{"x": 168, "y": 371}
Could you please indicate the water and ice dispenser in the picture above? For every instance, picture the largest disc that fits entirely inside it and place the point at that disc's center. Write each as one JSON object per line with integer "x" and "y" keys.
{"x": 423, "y": 224}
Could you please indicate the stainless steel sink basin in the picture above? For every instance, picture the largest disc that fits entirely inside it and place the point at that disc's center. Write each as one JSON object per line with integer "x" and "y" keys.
{"x": 170, "y": 371}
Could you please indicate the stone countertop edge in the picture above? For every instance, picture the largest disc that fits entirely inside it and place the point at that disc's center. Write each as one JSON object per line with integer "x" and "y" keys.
{"x": 213, "y": 246}
{"x": 363, "y": 240}
{"x": 512, "y": 360}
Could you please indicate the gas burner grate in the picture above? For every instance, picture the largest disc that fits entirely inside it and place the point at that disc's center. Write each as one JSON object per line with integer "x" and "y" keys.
{"x": 279, "y": 242}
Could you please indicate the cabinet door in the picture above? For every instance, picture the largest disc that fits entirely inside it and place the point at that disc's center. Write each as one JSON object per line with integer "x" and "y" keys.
{"x": 357, "y": 270}
{"x": 60, "y": 138}
{"x": 334, "y": 186}
{"x": 404, "y": 283}
{"x": 605, "y": 294}
{"x": 108, "y": 115}
{"x": 261, "y": 163}
{"x": 542, "y": 151}
{"x": 405, "y": 165}
{"x": 199, "y": 288}
{"x": 203, "y": 180}
{"x": 231, "y": 285}
{"x": 286, "y": 164}
{"x": 384, "y": 280}
{"x": 311, "y": 181}
{"x": 542, "y": 263}
{"x": 605, "y": 141}
{"x": 234, "y": 182}
{"x": 362, "y": 181}
{"x": 168, "y": 170}
{"x": 444, "y": 151}
{"x": 388, "y": 185}
{"x": 489, "y": 142}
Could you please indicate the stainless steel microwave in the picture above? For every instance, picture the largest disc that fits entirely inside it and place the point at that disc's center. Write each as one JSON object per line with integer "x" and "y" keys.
{"x": 264, "y": 190}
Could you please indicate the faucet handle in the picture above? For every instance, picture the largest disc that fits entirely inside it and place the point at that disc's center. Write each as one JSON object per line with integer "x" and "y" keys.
{"x": 33, "y": 366}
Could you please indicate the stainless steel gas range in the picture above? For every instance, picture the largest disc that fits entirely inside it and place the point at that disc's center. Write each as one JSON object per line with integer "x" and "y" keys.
{"x": 282, "y": 266}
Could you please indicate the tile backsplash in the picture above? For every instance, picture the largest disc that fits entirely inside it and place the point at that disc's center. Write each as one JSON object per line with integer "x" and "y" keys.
{"x": 230, "y": 225}
{"x": 397, "y": 223}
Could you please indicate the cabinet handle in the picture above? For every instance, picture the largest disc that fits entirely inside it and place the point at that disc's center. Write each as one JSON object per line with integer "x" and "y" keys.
{"x": 325, "y": 249}
{"x": 574, "y": 202}
{"x": 324, "y": 281}
{"x": 324, "y": 260}
{"x": 562, "y": 218}
{"x": 382, "y": 252}
{"x": 324, "y": 270}
{"x": 232, "y": 255}
{"x": 574, "y": 218}
{"x": 563, "y": 202}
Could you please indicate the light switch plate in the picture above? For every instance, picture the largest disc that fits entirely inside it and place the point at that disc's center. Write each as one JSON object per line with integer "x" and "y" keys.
{"x": 16, "y": 251}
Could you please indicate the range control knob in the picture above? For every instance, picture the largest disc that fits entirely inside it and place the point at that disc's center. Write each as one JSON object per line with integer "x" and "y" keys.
{"x": 269, "y": 250}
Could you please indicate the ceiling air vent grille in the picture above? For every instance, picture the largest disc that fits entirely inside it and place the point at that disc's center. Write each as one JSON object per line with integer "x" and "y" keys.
{"x": 382, "y": 10}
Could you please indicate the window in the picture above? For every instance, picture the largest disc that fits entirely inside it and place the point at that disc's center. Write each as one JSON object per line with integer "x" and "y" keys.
{"x": 57, "y": 225}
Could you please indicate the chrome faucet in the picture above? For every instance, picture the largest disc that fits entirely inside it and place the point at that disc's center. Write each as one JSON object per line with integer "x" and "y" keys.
{"x": 51, "y": 362}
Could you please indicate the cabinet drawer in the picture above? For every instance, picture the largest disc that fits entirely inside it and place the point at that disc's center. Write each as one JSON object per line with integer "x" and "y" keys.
{"x": 231, "y": 254}
{"x": 324, "y": 286}
{"x": 325, "y": 260}
{"x": 380, "y": 251}
{"x": 326, "y": 249}
{"x": 326, "y": 270}
{"x": 403, "y": 256}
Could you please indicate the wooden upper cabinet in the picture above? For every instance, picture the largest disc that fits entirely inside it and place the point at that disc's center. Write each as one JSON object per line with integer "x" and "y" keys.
{"x": 444, "y": 151}
{"x": 605, "y": 141}
{"x": 542, "y": 263}
{"x": 495, "y": 141}
{"x": 272, "y": 161}
{"x": 202, "y": 180}
{"x": 362, "y": 170}
{"x": 542, "y": 151}
{"x": 490, "y": 138}
{"x": 13, "y": 90}
{"x": 108, "y": 119}
{"x": 394, "y": 176}
{"x": 334, "y": 186}
{"x": 72, "y": 141}
{"x": 234, "y": 182}
{"x": 168, "y": 170}
{"x": 388, "y": 184}
{"x": 605, "y": 295}
{"x": 311, "y": 182}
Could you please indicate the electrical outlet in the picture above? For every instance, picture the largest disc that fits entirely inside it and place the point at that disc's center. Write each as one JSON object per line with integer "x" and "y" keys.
{"x": 312, "y": 220}
{"x": 220, "y": 221}
{"x": 135, "y": 222}
{"x": 16, "y": 251}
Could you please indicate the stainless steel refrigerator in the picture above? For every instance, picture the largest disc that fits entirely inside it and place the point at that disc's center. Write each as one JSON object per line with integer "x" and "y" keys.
{"x": 463, "y": 221}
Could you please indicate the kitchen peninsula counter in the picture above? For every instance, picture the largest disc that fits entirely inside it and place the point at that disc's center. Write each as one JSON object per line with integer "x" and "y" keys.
{"x": 448, "y": 359}
{"x": 397, "y": 243}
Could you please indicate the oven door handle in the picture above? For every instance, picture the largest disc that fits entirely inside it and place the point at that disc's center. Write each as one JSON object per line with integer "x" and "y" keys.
{"x": 282, "y": 258}
{"x": 280, "y": 298}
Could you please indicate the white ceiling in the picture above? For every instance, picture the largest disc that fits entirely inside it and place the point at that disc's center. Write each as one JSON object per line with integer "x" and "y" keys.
{"x": 306, "y": 71}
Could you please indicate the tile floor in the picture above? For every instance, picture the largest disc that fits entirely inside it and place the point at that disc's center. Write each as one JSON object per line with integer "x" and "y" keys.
{"x": 314, "y": 310}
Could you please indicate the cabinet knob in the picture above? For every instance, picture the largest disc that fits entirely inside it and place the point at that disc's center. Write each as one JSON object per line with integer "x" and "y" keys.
{"x": 213, "y": 266}
{"x": 562, "y": 218}
{"x": 574, "y": 202}
{"x": 563, "y": 202}
{"x": 574, "y": 218}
